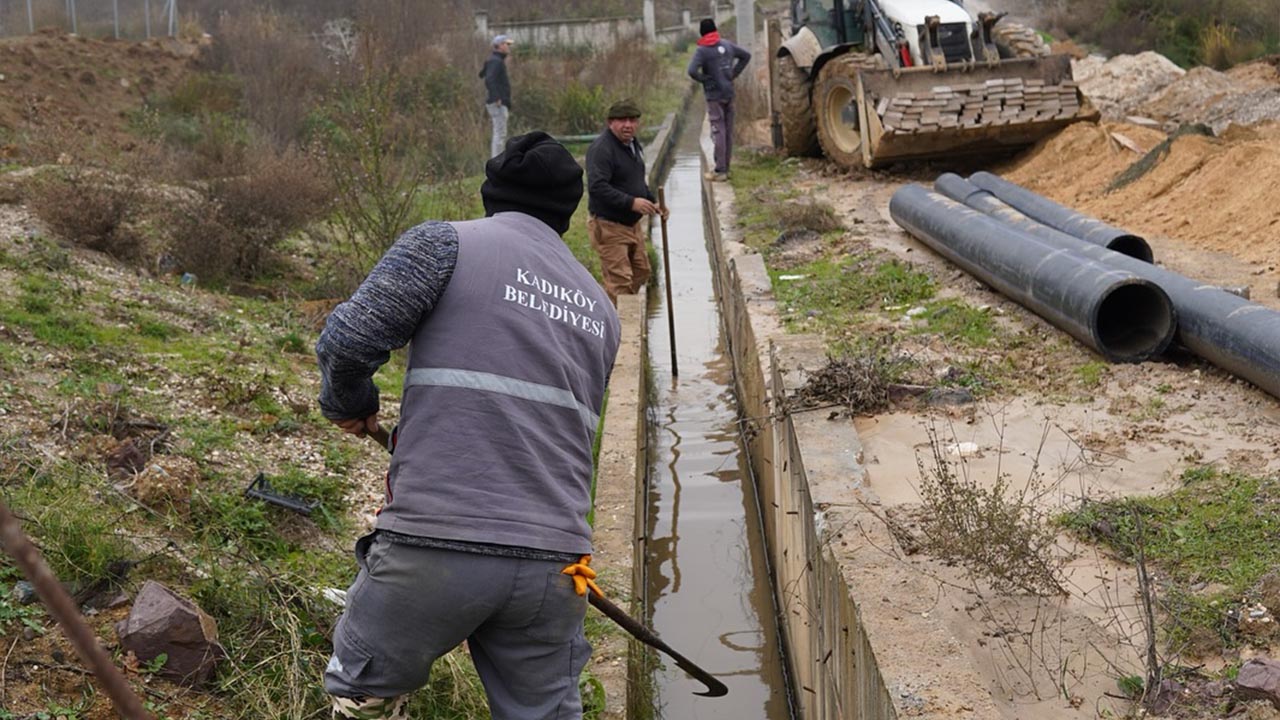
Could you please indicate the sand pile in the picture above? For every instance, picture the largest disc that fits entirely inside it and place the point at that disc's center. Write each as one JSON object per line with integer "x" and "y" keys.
{"x": 1219, "y": 194}
{"x": 1122, "y": 84}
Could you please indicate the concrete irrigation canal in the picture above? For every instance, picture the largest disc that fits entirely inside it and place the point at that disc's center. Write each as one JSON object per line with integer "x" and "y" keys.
{"x": 707, "y": 579}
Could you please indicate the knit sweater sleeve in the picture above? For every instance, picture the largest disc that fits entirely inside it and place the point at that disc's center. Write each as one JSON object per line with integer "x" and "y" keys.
{"x": 382, "y": 316}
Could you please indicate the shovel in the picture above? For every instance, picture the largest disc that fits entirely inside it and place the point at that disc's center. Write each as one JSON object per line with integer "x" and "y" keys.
{"x": 715, "y": 688}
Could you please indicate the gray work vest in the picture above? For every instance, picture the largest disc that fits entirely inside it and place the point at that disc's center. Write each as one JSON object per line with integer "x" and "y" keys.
{"x": 502, "y": 397}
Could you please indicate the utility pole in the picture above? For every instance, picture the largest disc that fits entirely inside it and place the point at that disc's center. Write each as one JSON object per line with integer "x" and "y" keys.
{"x": 746, "y": 13}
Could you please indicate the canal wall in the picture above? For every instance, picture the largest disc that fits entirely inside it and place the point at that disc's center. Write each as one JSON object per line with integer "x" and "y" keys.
{"x": 859, "y": 646}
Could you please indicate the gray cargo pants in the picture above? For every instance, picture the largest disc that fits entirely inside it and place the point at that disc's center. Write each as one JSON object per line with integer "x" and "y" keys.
{"x": 410, "y": 605}
{"x": 720, "y": 115}
{"x": 498, "y": 118}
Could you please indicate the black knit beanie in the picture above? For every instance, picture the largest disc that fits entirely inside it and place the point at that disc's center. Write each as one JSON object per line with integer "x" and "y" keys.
{"x": 706, "y": 26}
{"x": 534, "y": 175}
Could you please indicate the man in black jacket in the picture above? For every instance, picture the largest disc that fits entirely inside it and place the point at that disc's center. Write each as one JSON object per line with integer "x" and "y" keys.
{"x": 618, "y": 197}
{"x": 497, "y": 92}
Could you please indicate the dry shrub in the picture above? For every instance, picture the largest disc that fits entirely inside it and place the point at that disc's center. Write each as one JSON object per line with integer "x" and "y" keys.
{"x": 1221, "y": 46}
{"x": 815, "y": 215}
{"x": 281, "y": 68}
{"x": 996, "y": 533}
{"x": 94, "y": 197}
{"x": 628, "y": 69}
{"x": 569, "y": 93}
{"x": 233, "y": 222}
{"x": 88, "y": 207}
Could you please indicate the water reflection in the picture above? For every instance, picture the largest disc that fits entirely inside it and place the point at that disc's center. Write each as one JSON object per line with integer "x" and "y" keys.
{"x": 708, "y": 588}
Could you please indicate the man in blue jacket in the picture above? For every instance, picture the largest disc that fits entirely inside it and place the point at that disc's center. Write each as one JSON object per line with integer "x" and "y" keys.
{"x": 715, "y": 64}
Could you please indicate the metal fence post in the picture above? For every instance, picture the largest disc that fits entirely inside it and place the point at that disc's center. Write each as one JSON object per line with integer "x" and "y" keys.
{"x": 31, "y": 20}
{"x": 71, "y": 13}
{"x": 146, "y": 13}
{"x": 115, "y": 16}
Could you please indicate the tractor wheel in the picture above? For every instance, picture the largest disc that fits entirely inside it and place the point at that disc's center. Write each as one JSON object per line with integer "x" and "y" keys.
{"x": 835, "y": 107}
{"x": 796, "y": 112}
{"x": 1018, "y": 41}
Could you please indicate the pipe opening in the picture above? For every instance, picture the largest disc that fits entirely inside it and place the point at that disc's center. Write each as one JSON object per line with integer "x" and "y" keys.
{"x": 1134, "y": 322}
{"x": 1133, "y": 246}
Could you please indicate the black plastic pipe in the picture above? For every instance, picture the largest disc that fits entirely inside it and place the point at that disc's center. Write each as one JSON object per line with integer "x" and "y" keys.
{"x": 1238, "y": 336}
{"x": 1122, "y": 316}
{"x": 1048, "y": 212}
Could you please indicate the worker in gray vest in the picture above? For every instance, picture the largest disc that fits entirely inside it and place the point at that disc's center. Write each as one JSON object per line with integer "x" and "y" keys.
{"x": 511, "y": 344}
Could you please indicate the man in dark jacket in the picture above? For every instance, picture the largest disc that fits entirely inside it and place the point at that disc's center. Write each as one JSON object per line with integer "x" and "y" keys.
{"x": 511, "y": 342}
{"x": 715, "y": 64}
{"x": 497, "y": 88}
{"x": 618, "y": 196}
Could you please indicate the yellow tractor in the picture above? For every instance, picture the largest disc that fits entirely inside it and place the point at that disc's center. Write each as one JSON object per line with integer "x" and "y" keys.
{"x": 871, "y": 82}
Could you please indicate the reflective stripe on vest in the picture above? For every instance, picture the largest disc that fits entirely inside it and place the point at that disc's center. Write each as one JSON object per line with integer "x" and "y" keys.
{"x": 523, "y": 389}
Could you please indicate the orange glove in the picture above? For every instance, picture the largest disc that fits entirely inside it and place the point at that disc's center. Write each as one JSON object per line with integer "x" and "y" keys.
{"x": 583, "y": 576}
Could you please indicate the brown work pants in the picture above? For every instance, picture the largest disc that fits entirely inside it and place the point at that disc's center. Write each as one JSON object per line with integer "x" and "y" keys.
{"x": 624, "y": 260}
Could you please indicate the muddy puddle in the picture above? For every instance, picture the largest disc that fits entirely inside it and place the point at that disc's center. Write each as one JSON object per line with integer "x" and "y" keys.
{"x": 708, "y": 591}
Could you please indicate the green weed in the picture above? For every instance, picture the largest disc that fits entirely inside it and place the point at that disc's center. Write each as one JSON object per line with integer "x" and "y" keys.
{"x": 830, "y": 294}
{"x": 1091, "y": 373}
{"x": 12, "y": 613}
{"x": 292, "y": 342}
{"x": 157, "y": 329}
{"x": 959, "y": 321}
{"x": 1218, "y": 528}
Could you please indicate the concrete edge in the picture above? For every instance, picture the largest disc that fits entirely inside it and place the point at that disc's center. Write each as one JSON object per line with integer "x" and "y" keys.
{"x": 620, "y": 481}
{"x": 826, "y": 540}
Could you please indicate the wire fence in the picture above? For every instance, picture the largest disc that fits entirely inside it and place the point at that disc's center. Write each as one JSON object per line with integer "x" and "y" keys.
{"x": 127, "y": 19}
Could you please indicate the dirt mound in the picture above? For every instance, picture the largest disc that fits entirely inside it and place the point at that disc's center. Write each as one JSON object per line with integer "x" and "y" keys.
{"x": 53, "y": 83}
{"x": 1197, "y": 194}
{"x": 1120, "y": 85}
{"x": 1244, "y": 95}
{"x": 1150, "y": 85}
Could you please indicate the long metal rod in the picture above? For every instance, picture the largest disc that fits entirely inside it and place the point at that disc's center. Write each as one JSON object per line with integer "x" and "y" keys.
{"x": 1058, "y": 217}
{"x": 146, "y": 13}
{"x": 666, "y": 281}
{"x": 64, "y": 610}
{"x": 1238, "y": 336}
{"x": 1122, "y": 316}
{"x": 715, "y": 688}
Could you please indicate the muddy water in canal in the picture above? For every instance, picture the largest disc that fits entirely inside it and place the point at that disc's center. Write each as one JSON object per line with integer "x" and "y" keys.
{"x": 708, "y": 588}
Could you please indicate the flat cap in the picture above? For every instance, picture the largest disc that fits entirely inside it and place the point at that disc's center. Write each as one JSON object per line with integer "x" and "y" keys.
{"x": 624, "y": 109}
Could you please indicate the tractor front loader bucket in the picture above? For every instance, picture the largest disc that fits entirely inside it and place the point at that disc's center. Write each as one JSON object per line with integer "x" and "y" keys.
{"x": 982, "y": 108}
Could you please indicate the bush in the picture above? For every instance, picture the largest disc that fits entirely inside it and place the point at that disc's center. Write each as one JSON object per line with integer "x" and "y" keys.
{"x": 281, "y": 69}
{"x": 90, "y": 207}
{"x": 995, "y": 532}
{"x": 230, "y": 225}
{"x": 580, "y": 108}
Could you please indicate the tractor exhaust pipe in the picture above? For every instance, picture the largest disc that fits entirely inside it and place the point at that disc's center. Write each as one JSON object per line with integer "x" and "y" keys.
{"x": 1123, "y": 317}
{"x": 1238, "y": 336}
{"x": 1064, "y": 219}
